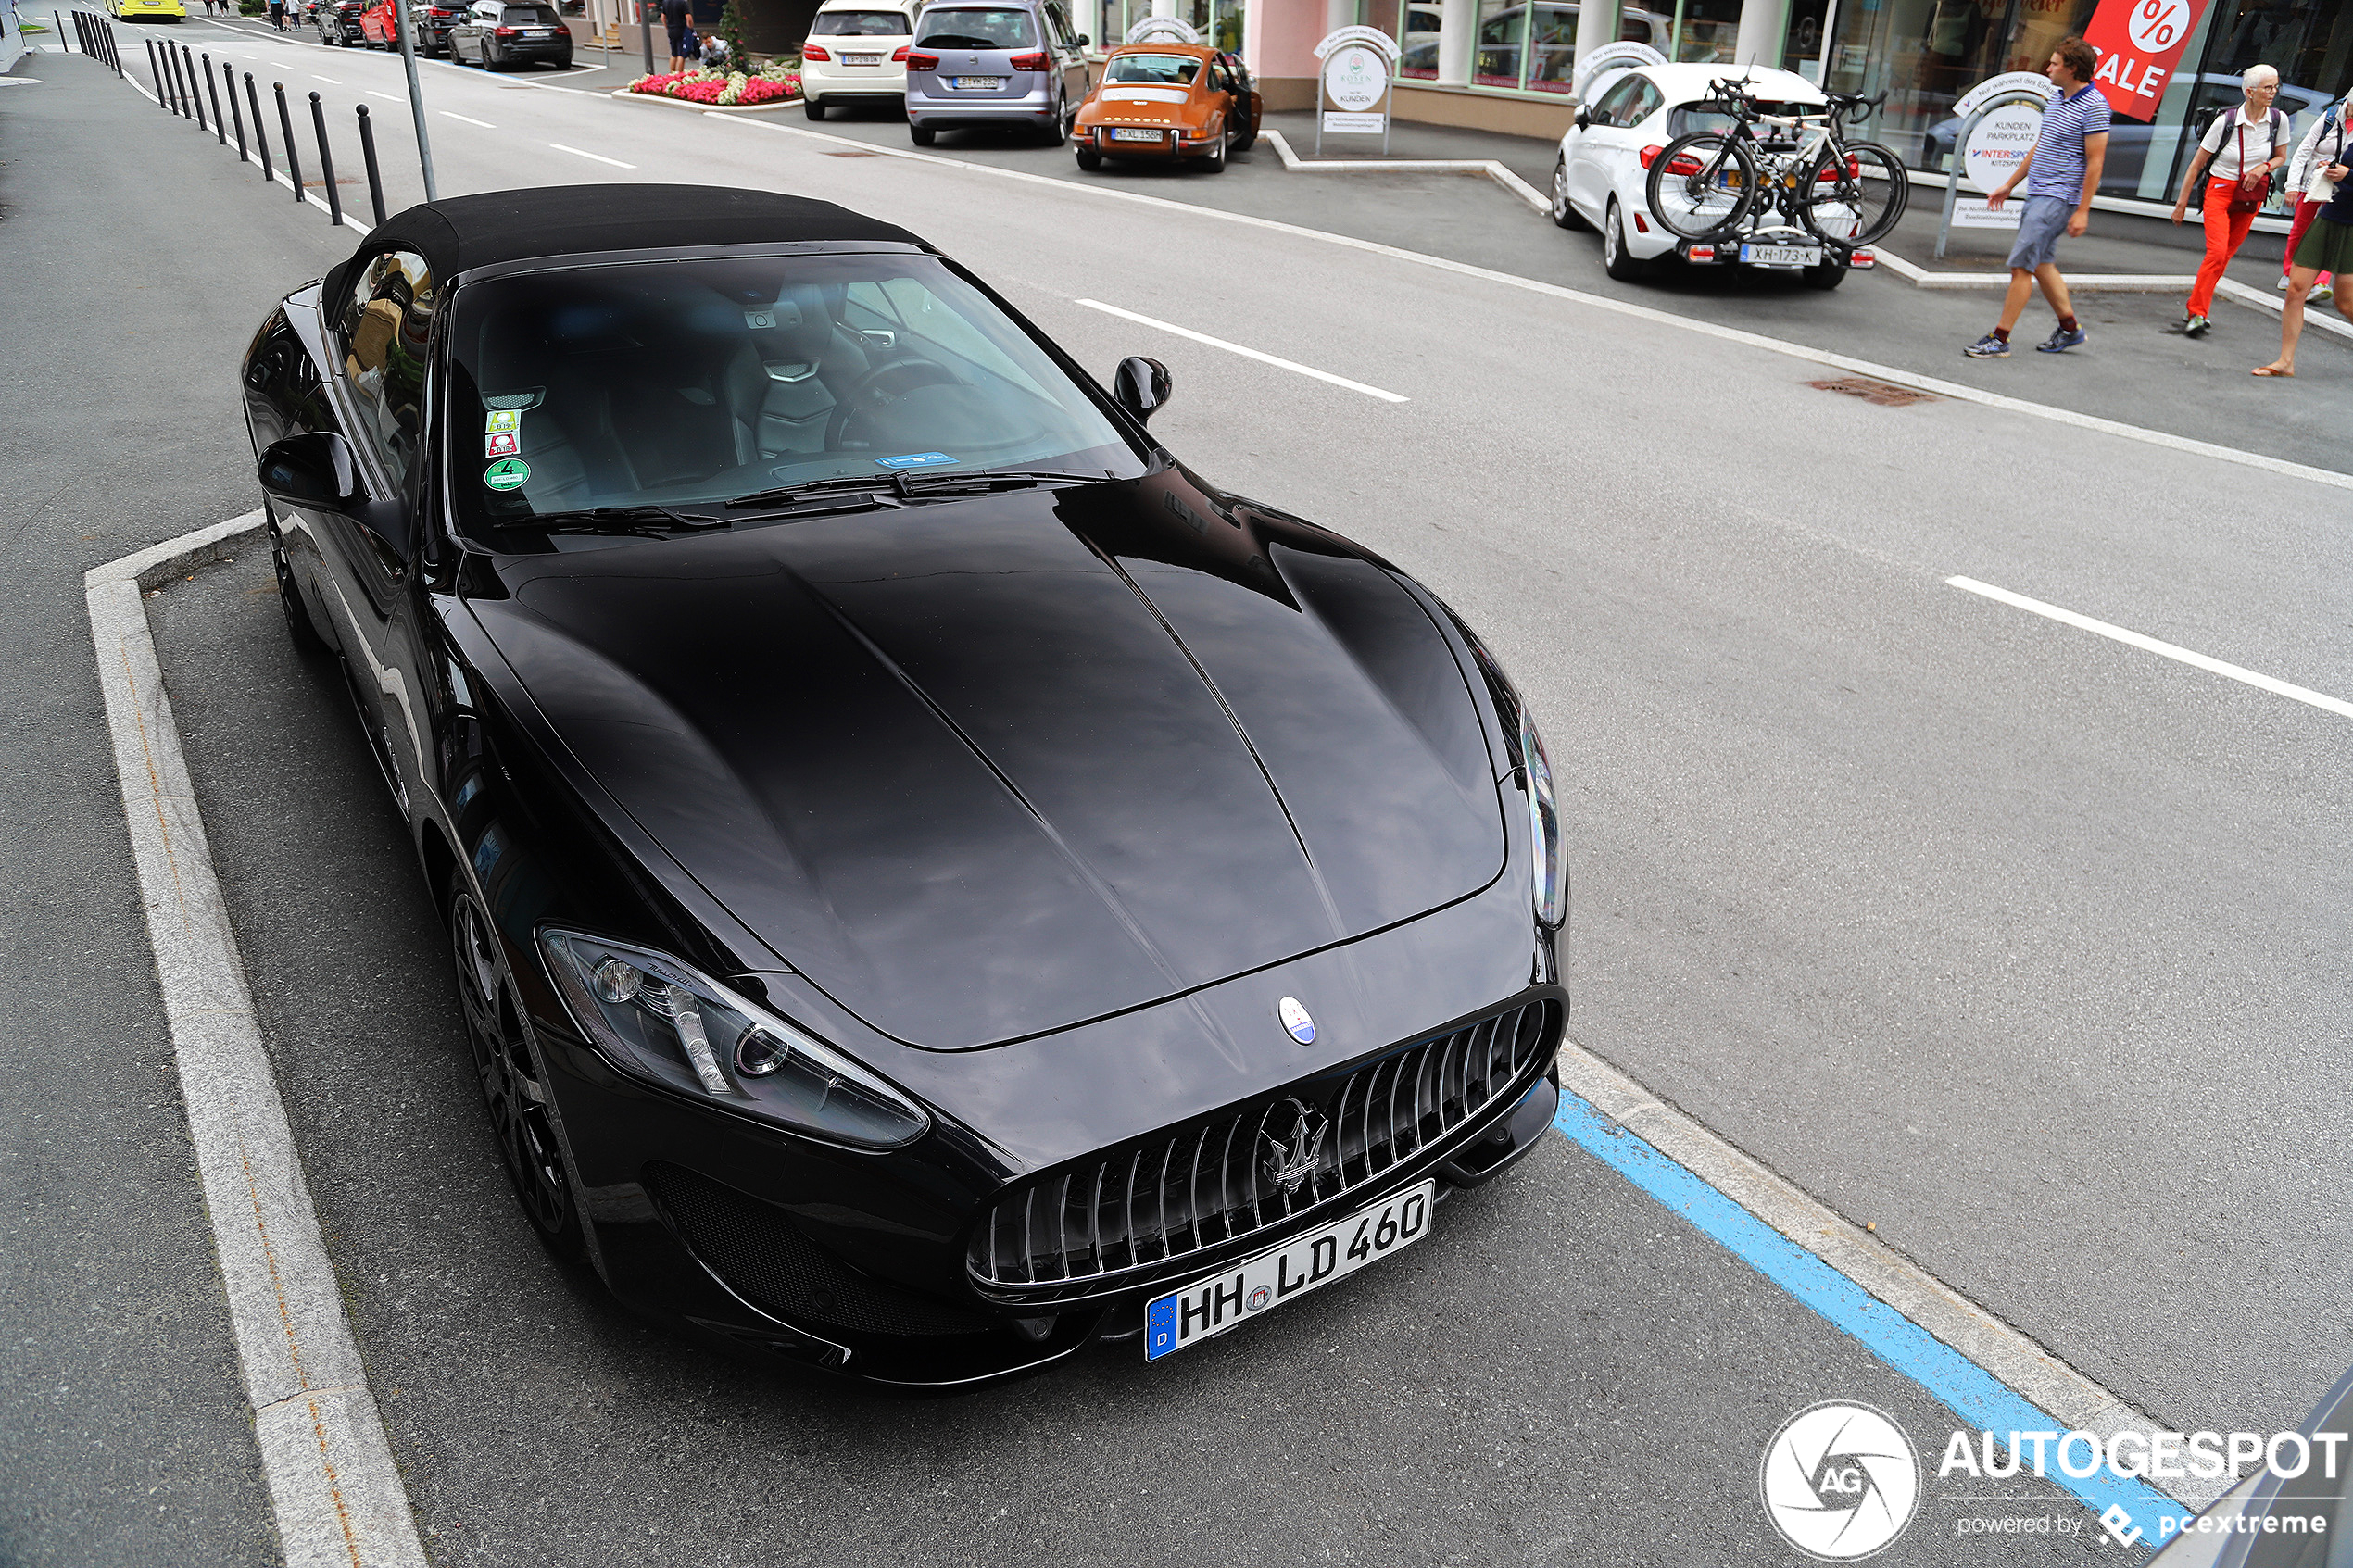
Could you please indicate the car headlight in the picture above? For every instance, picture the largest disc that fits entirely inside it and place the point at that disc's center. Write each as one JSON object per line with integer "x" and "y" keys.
{"x": 663, "y": 1019}
{"x": 1551, "y": 893}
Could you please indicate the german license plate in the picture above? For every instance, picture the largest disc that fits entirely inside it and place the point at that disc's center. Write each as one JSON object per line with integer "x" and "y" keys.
{"x": 539, "y": 32}
{"x": 1207, "y": 1308}
{"x": 1127, "y": 133}
{"x": 1781, "y": 255}
{"x": 862, "y": 59}
{"x": 977, "y": 83}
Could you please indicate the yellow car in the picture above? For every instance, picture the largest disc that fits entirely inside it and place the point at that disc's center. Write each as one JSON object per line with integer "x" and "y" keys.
{"x": 139, "y": 10}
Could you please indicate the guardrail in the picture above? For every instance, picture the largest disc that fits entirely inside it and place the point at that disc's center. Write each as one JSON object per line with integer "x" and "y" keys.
{"x": 188, "y": 83}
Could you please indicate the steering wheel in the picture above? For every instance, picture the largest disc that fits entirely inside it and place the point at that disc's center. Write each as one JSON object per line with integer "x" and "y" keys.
{"x": 882, "y": 386}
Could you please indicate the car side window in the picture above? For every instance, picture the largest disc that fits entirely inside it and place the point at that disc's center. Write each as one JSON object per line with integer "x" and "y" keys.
{"x": 1645, "y": 104}
{"x": 381, "y": 336}
{"x": 1057, "y": 30}
{"x": 1611, "y": 110}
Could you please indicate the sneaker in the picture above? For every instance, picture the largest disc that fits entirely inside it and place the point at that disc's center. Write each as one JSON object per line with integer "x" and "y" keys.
{"x": 2196, "y": 327}
{"x": 2284, "y": 282}
{"x": 2060, "y": 341}
{"x": 1988, "y": 347}
{"x": 2319, "y": 295}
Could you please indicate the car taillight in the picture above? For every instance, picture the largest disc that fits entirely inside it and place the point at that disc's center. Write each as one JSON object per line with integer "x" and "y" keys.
{"x": 505, "y": 32}
{"x": 1650, "y": 154}
{"x": 899, "y": 54}
{"x": 1684, "y": 163}
{"x": 1032, "y": 61}
{"x": 1699, "y": 252}
{"x": 1854, "y": 171}
{"x": 918, "y": 60}
{"x": 816, "y": 52}
{"x": 1863, "y": 259}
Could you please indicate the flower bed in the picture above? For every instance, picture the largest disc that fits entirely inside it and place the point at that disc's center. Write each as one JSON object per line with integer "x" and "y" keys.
{"x": 724, "y": 90}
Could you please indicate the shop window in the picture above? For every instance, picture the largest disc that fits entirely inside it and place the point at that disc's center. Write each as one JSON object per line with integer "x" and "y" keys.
{"x": 1552, "y": 47}
{"x": 1497, "y": 56}
{"x": 1704, "y": 30}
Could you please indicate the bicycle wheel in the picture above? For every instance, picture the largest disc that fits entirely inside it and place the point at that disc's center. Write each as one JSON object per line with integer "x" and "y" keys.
{"x": 1701, "y": 186}
{"x": 1857, "y": 197}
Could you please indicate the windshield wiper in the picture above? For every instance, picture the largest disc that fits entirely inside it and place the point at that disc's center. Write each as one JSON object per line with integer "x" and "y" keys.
{"x": 886, "y": 488}
{"x": 648, "y": 519}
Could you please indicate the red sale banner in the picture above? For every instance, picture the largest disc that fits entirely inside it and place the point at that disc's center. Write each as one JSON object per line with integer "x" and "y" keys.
{"x": 2140, "y": 43}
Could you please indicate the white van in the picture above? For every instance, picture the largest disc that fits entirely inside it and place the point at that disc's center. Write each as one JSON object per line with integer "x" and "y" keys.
{"x": 856, "y": 54}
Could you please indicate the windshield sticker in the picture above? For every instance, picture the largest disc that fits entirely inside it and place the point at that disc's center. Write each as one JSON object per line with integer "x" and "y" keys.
{"x": 916, "y": 460}
{"x": 503, "y": 419}
{"x": 500, "y": 444}
{"x": 507, "y": 474}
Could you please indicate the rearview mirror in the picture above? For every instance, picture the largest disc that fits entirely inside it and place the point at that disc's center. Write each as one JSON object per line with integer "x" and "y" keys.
{"x": 1140, "y": 386}
{"x": 317, "y": 471}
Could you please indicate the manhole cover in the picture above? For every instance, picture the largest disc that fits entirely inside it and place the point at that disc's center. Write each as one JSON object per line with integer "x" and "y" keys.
{"x": 1885, "y": 394}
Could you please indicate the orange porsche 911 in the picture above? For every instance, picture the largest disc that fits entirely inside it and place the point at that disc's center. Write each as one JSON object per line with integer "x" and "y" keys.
{"x": 1166, "y": 100}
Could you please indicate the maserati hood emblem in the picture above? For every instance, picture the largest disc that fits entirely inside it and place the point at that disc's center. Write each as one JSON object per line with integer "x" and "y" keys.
{"x": 1295, "y": 1019}
{"x": 1289, "y": 1165}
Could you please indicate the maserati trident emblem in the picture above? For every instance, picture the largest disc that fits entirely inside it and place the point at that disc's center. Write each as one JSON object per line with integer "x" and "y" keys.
{"x": 1295, "y": 1019}
{"x": 1289, "y": 1165}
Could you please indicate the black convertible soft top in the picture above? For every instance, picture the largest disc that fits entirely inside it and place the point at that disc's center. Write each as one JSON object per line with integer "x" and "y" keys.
{"x": 460, "y": 233}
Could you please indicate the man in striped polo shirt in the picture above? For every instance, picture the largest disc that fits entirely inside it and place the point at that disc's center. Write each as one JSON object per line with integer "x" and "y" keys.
{"x": 2061, "y": 174}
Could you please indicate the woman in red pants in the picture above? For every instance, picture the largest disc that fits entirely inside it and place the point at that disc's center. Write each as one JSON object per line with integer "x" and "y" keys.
{"x": 2237, "y": 157}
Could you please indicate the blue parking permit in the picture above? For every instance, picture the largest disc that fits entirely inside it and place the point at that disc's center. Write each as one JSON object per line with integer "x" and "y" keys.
{"x": 916, "y": 460}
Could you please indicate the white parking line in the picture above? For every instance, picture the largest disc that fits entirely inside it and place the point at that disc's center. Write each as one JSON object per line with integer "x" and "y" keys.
{"x": 598, "y": 156}
{"x": 333, "y": 1486}
{"x": 388, "y": 97}
{"x": 2150, "y": 645}
{"x": 1246, "y": 353}
{"x": 327, "y": 80}
{"x": 469, "y": 120}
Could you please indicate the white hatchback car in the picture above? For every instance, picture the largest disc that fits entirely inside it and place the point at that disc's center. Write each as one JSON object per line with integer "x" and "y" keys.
{"x": 1602, "y": 178}
{"x": 856, "y": 54}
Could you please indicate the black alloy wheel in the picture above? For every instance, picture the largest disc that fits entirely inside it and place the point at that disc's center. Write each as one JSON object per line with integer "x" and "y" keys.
{"x": 304, "y": 636}
{"x": 1088, "y": 159}
{"x": 511, "y": 1088}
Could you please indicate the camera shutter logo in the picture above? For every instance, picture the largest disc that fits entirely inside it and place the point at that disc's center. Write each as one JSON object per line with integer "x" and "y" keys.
{"x": 1840, "y": 1481}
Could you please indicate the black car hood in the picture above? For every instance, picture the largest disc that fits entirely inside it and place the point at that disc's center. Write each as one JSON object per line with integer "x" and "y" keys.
{"x": 982, "y": 770}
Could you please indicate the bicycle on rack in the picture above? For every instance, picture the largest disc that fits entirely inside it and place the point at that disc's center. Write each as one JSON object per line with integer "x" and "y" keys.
{"x": 1801, "y": 168}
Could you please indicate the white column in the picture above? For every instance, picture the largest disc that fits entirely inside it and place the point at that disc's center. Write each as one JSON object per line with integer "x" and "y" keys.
{"x": 1457, "y": 28}
{"x": 1596, "y": 25}
{"x": 1163, "y": 7}
{"x": 1758, "y": 43}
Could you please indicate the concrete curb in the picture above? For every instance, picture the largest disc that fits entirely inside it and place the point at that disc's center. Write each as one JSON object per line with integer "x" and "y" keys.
{"x": 2115, "y": 283}
{"x": 2025, "y": 1367}
{"x": 1493, "y": 170}
{"x": 333, "y": 1485}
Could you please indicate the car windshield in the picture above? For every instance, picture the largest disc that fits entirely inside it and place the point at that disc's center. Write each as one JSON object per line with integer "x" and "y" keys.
{"x": 976, "y": 30}
{"x": 859, "y": 25}
{"x": 688, "y": 384}
{"x": 1167, "y": 70}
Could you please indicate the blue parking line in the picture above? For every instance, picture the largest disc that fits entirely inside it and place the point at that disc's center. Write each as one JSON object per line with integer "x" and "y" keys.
{"x": 1982, "y": 1401}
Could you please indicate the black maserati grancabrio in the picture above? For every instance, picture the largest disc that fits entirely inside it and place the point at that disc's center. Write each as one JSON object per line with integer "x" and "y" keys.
{"x": 931, "y": 882}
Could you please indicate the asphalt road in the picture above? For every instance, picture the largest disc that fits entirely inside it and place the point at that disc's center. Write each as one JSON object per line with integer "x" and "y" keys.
{"x": 2022, "y": 944}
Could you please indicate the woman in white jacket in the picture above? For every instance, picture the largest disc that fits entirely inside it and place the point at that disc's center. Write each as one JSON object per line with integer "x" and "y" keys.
{"x": 2309, "y": 185}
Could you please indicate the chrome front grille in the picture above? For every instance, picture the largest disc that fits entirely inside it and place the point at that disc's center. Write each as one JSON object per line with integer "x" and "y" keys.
{"x": 1144, "y": 1210}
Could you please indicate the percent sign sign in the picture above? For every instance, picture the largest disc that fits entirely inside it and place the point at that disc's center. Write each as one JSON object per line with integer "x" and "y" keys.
{"x": 2139, "y": 42}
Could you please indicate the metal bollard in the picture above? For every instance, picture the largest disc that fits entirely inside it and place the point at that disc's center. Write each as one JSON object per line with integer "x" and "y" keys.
{"x": 326, "y": 163}
{"x": 368, "y": 154}
{"x": 235, "y": 113}
{"x": 212, "y": 85}
{"x": 285, "y": 132}
{"x": 57, "y": 30}
{"x": 195, "y": 95}
{"x": 171, "y": 73}
{"x": 261, "y": 137}
{"x": 157, "y": 71}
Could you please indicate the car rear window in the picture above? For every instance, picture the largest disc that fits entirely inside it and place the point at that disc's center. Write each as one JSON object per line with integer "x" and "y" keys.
{"x": 1168, "y": 71}
{"x": 1685, "y": 119}
{"x": 977, "y": 30}
{"x": 860, "y": 24}
{"x": 530, "y": 15}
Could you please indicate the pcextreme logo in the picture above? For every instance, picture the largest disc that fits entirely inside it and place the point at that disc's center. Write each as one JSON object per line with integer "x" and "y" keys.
{"x": 1840, "y": 1481}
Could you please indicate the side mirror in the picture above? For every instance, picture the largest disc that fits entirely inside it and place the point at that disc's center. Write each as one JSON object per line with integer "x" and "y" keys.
{"x": 1083, "y": 40}
{"x": 1140, "y": 386}
{"x": 1584, "y": 118}
{"x": 317, "y": 471}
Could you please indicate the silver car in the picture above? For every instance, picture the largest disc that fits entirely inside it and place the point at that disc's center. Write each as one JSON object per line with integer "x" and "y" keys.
{"x": 1004, "y": 64}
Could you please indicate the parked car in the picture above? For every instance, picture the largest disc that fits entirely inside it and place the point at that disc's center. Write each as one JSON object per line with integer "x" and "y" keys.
{"x": 1167, "y": 101}
{"x": 930, "y": 883}
{"x": 1012, "y": 64}
{"x": 429, "y": 26}
{"x": 337, "y": 22}
{"x": 856, "y": 54}
{"x": 1601, "y": 175}
{"x": 498, "y": 33}
{"x": 2130, "y": 141}
{"x": 148, "y": 11}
